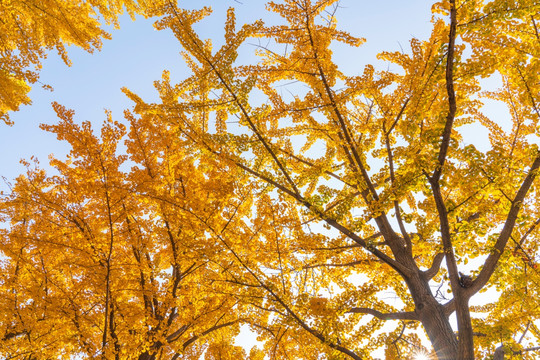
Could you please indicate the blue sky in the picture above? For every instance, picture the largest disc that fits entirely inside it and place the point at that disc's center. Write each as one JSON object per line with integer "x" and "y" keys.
{"x": 137, "y": 55}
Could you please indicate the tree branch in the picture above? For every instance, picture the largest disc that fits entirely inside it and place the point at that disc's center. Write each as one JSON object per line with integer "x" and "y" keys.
{"x": 406, "y": 315}
{"x": 352, "y": 263}
{"x": 492, "y": 260}
{"x": 208, "y": 331}
{"x": 434, "y": 269}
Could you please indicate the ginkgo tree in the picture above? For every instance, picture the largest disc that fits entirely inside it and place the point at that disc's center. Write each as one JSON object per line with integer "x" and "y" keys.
{"x": 302, "y": 210}
{"x": 380, "y": 159}
{"x": 104, "y": 263}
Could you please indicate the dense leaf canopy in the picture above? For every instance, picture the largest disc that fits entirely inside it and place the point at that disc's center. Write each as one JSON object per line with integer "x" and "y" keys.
{"x": 30, "y": 29}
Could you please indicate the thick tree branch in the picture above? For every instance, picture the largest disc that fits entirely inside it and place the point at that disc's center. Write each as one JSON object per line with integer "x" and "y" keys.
{"x": 492, "y": 260}
{"x": 452, "y": 105}
{"x": 443, "y": 150}
{"x": 434, "y": 269}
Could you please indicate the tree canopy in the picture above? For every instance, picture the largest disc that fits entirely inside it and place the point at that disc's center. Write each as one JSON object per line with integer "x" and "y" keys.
{"x": 30, "y": 29}
{"x": 338, "y": 216}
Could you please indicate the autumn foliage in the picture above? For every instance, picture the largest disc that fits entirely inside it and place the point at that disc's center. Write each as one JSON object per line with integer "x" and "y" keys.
{"x": 30, "y": 29}
{"x": 297, "y": 214}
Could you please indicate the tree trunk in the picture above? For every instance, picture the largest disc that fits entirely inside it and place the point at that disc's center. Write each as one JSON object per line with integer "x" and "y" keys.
{"x": 465, "y": 332}
{"x": 499, "y": 353}
{"x": 439, "y": 331}
{"x": 433, "y": 318}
